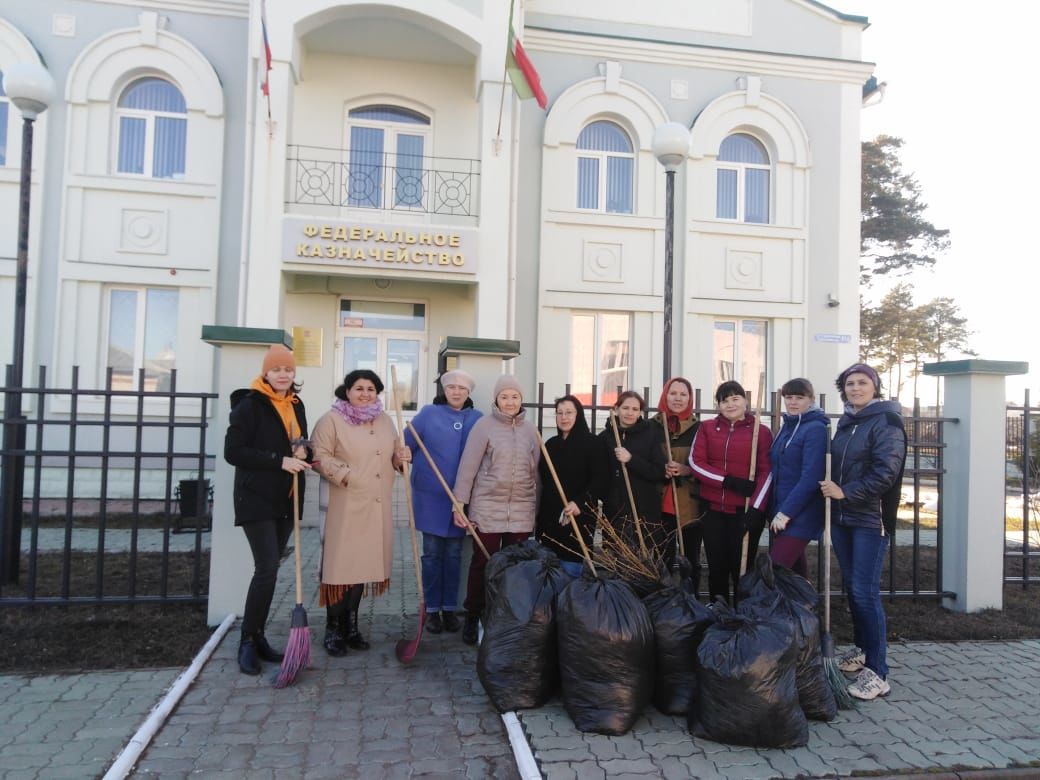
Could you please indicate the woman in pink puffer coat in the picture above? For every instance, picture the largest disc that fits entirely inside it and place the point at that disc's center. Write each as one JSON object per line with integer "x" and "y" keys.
{"x": 498, "y": 478}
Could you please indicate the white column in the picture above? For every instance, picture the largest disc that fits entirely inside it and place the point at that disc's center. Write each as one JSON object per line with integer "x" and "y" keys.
{"x": 264, "y": 277}
{"x": 231, "y": 565}
{"x": 973, "y": 487}
{"x": 496, "y": 277}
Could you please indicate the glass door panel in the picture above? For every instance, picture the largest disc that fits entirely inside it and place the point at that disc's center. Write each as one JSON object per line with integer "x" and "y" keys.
{"x": 405, "y": 354}
{"x": 409, "y": 187}
{"x": 360, "y": 352}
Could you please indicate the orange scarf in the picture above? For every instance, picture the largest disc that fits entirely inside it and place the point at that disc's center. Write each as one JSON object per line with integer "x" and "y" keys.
{"x": 282, "y": 404}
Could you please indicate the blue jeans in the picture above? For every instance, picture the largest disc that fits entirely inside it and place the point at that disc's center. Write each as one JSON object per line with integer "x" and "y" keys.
{"x": 441, "y": 564}
{"x": 861, "y": 554}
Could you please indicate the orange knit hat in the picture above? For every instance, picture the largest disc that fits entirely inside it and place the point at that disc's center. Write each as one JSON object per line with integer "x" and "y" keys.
{"x": 276, "y": 356}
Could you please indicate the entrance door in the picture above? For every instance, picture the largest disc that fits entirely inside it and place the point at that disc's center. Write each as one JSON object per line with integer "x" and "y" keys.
{"x": 379, "y": 334}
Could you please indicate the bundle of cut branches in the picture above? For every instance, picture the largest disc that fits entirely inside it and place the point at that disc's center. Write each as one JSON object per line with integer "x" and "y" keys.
{"x": 619, "y": 553}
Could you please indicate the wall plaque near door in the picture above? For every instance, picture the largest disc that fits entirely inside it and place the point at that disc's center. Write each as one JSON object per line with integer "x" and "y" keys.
{"x": 307, "y": 346}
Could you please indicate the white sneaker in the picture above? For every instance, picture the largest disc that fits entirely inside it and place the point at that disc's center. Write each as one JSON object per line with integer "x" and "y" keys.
{"x": 852, "y": 660}
{"x": 869, "y": 686}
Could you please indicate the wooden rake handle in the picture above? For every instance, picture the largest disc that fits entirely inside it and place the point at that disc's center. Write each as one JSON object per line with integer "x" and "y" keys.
{"x": 752, "y": 468}
{"x": 563, "y": 498}
{"x": 456, "y": 504}
{"x": 406, "y": 469}
{"x": 628, "y": 487}
{"x": 675, "y": 490}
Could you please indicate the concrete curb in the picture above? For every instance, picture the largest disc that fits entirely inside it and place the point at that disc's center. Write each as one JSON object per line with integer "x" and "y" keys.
{"x": 157, "y": 717}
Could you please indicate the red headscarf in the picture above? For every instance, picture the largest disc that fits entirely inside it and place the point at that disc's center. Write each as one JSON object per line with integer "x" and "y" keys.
{"x": 672, "y": 418}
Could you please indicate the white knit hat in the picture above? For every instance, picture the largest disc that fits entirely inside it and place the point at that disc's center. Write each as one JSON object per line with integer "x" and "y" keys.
{"x": 458, "y": 377}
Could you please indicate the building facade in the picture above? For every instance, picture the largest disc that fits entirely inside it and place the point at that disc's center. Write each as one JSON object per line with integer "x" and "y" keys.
{"x": 390, "y": 191}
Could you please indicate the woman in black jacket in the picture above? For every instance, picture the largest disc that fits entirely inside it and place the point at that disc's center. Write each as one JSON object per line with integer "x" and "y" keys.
{"x": 580, "y": 460}
{"x": 642, "y": 452}
{"x": 266, "y": 443}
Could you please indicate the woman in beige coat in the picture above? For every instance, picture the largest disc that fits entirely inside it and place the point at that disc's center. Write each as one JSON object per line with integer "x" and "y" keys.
{"x": 357, "y": 449}
{"x": 498, "y": 478}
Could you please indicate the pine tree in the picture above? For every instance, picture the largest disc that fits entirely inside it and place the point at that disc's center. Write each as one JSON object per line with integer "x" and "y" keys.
{"x": 895, "y": 237}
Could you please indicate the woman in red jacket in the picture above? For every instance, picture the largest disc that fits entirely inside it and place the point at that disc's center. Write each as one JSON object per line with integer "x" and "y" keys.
{"x": 721, "y": 462}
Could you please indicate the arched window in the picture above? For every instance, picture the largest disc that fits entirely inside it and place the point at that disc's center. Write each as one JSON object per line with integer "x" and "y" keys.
{"x": 742, "y": 180}
{"x": 153, "y": 128}
{"x": 606, "y": 166}
{"x": 4, "y": 103}
{"x": 387, "y": 147}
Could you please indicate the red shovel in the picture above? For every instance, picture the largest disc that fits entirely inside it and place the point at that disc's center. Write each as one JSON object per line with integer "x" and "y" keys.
{"x": 406, "y": 649}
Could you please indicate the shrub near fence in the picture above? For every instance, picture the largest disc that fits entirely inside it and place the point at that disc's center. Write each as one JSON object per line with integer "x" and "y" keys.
{"x": 115, "y": 430}
{"x": 914, "y": 566}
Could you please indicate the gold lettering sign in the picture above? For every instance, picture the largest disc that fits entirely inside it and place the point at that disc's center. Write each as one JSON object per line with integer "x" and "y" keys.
{"x": 403, "y": 247}
{"x": 307, "y": 344}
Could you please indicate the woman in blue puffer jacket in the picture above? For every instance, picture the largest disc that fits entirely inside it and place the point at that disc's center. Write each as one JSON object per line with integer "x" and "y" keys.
{"x": 797, "y": 458}
{"x": 869, "y": 450}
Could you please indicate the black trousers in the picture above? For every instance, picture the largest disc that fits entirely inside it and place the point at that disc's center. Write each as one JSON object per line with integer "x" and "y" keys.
{"x": 692, "y": 533}
{"x": 723, "y": 535}
{"x": 267, "y": 540}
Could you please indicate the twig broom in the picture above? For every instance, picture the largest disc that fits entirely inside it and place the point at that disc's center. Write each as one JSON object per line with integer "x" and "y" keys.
{"x": 298, "y": 650}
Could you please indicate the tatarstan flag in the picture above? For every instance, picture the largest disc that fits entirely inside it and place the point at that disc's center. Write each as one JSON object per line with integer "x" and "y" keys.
{"x": 522, "y": 73}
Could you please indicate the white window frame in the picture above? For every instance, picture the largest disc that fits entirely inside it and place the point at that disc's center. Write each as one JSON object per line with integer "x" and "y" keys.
{"x": 738, "y": 362}
{"x": 391, "y": 130}
{"x": 603, "y": 169}
{"x": 149, "y": 132}
{"x": 140, "y": 320}
{"x": 742, "y": 176}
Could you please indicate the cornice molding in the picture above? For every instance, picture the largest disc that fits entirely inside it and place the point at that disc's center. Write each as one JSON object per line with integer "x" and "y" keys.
{"x": 691, "y": 55}
{"x": 235, "y": 8}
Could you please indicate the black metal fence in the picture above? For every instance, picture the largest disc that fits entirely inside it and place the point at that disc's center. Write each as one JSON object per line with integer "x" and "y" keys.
{"x": 915, "y": 556}
{"x": 320, "y": 176}
{"x": 1022, "y": 492}
{"x": 79, "y": 543}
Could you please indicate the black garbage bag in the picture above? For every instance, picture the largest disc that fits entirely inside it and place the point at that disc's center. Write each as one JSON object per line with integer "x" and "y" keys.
{"x": 798, "y": 602}
{"x": 679, "y": 621}
{"x": 517, "y": 661}
{"x": 746, "y": 692}
{"x": 606, "y": 646}
{"x": 527, "y": 550}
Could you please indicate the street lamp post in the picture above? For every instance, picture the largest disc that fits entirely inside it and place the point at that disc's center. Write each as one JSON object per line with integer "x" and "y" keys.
{"x": 671, "y": 145}
{"x": 30, "y": 88}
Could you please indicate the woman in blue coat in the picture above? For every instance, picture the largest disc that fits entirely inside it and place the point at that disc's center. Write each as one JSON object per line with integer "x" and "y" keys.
{"x": 444, "y": 427}
{"x": 869, "y": 453}
{"x": 797, "y": 458}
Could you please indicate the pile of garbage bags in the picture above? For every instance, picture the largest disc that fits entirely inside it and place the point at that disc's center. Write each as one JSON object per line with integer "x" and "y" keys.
{"x": 748, "y": 676}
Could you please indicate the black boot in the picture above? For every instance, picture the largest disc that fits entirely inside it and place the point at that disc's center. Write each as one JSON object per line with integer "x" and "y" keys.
{"x": 248, "y": 663}
{"x": 451, "y": 621}
{"x": 335, "y": 644}
{"x": 354, "y": 639}
{"x": 264, "y": 649}
{"x": 433, "y": 622}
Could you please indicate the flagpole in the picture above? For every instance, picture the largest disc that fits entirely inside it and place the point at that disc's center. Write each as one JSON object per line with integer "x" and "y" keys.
{"x": 505, "y": 77}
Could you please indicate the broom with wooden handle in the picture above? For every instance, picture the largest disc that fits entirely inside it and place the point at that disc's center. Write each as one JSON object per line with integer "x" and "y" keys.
{"x": 407, "y": 648}
{"x": 456, "y": 504}
{"x": 835, "y": 679}
{"x": 298, "y": 649}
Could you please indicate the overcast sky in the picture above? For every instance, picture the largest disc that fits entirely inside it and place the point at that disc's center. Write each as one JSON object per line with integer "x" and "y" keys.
{"x": 962, "y": 94}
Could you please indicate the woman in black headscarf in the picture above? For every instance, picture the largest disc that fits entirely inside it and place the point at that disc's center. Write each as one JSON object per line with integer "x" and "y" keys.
{"x": 581, "y": 463}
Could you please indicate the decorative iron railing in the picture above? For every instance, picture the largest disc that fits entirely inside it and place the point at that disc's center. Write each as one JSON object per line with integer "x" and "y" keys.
{"x": 345, "y": 178}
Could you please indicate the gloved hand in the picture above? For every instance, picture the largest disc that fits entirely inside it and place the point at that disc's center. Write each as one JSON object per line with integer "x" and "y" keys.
{"x": 753, "y": 518}
{"x": 779, "y": 523}
{"x": 743, "y": 487}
